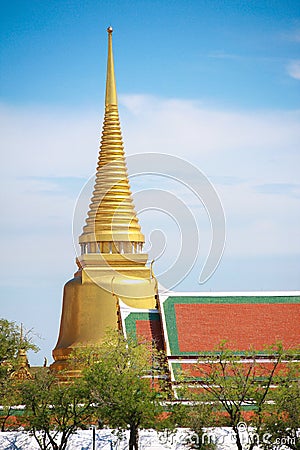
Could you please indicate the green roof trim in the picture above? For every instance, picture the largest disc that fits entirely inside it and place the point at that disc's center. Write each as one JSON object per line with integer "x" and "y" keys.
{"x": 189, "y": 299}
{"x": 180, "y": 374}
{"x": 168, "y": 307}
{"x": 132, "y": 318}
{"x": 13, "y": 412}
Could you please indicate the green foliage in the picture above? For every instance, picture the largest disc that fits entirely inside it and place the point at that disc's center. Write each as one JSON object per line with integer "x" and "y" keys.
{"x": 122, "y": 375}
{"x": 196, "y": 416}
{"x": 9, "y": 396}
{"x": 282, "y": 418}
{"x": 236, "y": 382}
{"x": 53, "y": 410}
{"x": 11, "y": 342}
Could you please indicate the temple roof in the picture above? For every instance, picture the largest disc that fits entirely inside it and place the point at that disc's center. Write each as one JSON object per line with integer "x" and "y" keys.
{"x": 198, "y": 323}
{"x": 144, "y": 324}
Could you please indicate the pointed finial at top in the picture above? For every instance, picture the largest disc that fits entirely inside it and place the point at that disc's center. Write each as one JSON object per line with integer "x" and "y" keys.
{"x": 111, "y": 92}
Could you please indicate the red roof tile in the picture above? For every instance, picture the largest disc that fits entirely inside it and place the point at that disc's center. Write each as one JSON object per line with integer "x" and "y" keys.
{"x": 201, "y": 327}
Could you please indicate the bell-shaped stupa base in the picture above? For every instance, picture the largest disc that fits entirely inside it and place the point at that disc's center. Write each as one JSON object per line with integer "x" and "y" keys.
{"x": 90, "y": 301}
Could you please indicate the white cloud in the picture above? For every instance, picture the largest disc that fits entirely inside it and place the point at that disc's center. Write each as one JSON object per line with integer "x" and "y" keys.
{"x": 293, "y": 69}
{"x": 49, "y": 141}
{"x": 255, "y": 144}
{"x": 250, "y": 149}
{"x": 241, "y": 151}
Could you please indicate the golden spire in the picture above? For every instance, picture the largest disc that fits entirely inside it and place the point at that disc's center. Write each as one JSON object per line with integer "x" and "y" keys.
{"x": 111, "y": 91}
{"x": 112, "y": 225}
{"x": 112, "y": 267}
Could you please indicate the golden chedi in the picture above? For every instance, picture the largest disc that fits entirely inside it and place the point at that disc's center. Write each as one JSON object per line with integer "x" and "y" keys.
{"x": 112, "y": 267}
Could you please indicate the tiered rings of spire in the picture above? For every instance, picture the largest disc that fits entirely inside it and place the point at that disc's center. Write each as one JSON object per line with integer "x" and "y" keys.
{"x": 112, "y": 225}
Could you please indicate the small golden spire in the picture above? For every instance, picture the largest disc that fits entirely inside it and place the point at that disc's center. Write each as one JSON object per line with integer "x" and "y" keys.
{"x": 112, "y": 224}
{"x": 22, "y": 371}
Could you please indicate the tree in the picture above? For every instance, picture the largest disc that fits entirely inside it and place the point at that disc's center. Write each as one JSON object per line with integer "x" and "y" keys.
{"x": 10, "y": 396}
{"x": 13, "y": 347}
{"x": 53, "y": 410}
{"x": 120, "y": 377}
{"x": 12, "y": 339}
{"x": 236, "y": 382}
{"x": 9, "y": 340}
{"x": 197, "y": 416}
{"x": 282, "y": 419}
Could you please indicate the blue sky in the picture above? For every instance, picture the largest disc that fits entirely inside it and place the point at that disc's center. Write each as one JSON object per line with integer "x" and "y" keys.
{"x": 215, "y": 83}
{"x": 235, "y": 53}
